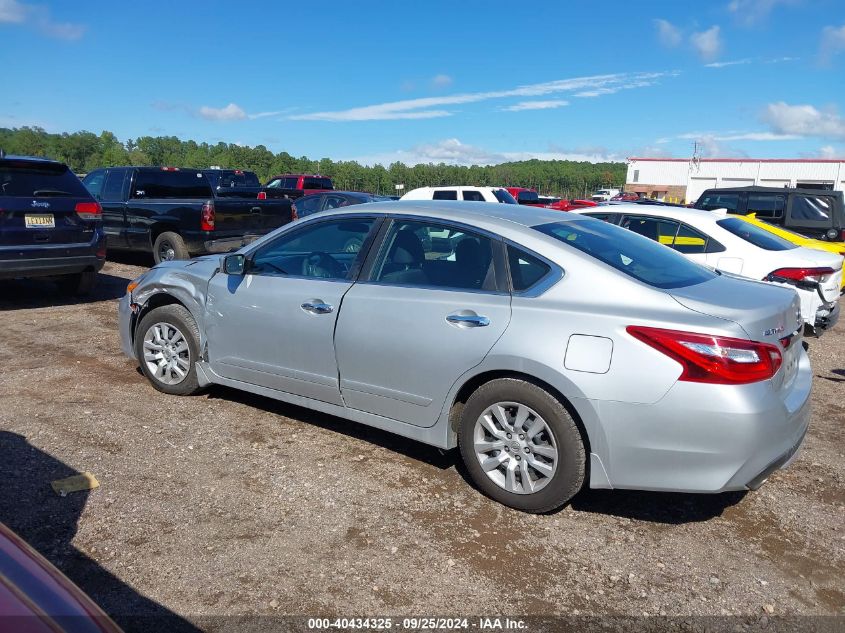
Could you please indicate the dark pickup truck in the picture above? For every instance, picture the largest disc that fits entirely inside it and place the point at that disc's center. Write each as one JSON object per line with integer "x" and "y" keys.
{"x": 174, "y": 213}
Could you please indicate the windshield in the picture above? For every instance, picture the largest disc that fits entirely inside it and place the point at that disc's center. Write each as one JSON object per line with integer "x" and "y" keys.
{"x": 638, "y": 257}
{"x": 503, "y": 196}
{"x": 755, "y": 235}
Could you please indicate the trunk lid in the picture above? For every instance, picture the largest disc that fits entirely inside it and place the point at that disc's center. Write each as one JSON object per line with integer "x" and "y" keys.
{"x": 38, "y": 204}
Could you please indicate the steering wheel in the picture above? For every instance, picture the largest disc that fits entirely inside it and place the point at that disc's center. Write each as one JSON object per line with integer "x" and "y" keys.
{"x": 321, "y": 264}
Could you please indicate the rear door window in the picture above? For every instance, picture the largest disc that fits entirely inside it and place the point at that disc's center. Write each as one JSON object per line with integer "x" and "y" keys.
{"x": 448, "y": 194}
{"x": 187, "y": 184}
{"x": 691, "y": 242}
{"x": 526, "y": 269}
{"x": 811, "y": 210}
{"x": 766, "y": 206}
{"x": 316, "y": 183}
{"x": 307, "y": 205}
{"x": 473, "y": 196}
{"x": 715, "y": 200}
{"x": 656, "y": 229}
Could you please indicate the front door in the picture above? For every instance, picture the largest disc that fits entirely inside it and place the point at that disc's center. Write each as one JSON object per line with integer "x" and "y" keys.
{"x": 274, "y": 326}
{"x": 430, "y": 310}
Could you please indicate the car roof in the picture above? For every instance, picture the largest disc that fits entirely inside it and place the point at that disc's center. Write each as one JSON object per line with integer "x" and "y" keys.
{"x": 457, "y": 187}
{"x": 34, "y": 159}
{"x": 481, "y": 214}
{"x": 676, "y": 213}
{"x": 784, "y": 190}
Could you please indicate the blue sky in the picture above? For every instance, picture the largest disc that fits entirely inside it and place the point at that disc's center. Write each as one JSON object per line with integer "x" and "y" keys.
{"x": 460, "y": 81}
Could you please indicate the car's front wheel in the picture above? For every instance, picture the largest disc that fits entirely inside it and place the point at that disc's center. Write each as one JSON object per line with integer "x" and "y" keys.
{"x": 167, "y": 348}
{"x": 521, "y": 446}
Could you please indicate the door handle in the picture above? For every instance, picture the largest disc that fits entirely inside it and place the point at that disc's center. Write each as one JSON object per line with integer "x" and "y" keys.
{"x": 317, "y": 307}
{"x": 468, "y": 320}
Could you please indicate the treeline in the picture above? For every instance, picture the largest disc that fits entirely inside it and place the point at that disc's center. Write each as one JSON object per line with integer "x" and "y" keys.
{"x": 85, "y": 151}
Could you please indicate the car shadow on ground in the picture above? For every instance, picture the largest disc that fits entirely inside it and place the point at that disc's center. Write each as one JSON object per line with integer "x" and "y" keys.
{"x": 131, "y": 258}
{"x": 25, "y": 294}
{"x": 48, "y": 522}
{"x": 655, "y": 507}
{"x": 838, "y": 372}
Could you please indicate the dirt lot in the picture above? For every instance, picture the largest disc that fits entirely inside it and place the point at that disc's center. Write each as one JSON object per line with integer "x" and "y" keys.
{"x": 229, "y": 503}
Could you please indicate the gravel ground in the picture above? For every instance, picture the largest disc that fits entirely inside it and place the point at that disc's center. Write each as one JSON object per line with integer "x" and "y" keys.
{"x": 233, "y": 504}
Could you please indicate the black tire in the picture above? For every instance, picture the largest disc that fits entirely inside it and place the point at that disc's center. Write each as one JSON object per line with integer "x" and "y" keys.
{"x": 178, "y": 317}
{"x": 169, "y": 245}
{"x": 78, "y": 284}
{"x": 568, "y": 477}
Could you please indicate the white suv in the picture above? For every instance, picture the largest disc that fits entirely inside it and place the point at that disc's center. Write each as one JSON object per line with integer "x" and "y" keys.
{"x": 472, "y": 194}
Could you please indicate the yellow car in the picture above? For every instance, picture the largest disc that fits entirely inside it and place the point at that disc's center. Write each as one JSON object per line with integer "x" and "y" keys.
{"x": 795, "y": 238}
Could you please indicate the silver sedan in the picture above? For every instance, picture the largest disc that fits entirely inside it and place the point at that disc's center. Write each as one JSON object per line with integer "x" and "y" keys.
{"x": 553, "y": 350}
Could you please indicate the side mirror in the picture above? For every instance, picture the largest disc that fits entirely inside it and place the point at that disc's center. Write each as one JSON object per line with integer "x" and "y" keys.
{"x": 234, "y": 264}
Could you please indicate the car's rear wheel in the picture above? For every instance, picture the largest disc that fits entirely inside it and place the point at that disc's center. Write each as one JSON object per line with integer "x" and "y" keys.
{"x": 521, "y": 446}
{"x": 78, "y": 284}
{"x": 168, "y": 246}
{"x": 167, "y": 348}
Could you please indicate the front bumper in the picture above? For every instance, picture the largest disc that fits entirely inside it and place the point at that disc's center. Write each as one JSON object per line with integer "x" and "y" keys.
{"x": 126, "y": 323}
{"x": 706, "y": 438}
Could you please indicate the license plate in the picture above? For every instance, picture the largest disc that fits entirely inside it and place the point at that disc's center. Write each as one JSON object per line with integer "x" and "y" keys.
{"x": 40, "y": 221}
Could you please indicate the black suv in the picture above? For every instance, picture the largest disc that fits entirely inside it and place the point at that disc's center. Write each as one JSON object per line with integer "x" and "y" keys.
{"x": 816, "y": 213}
{"x": 50, "y": 226}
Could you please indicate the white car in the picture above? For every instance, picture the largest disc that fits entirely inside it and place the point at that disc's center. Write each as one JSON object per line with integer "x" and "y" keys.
{"x": 603, "y": 195}
{"x": 470, "y": 194}
{"x": 730, "y": 245}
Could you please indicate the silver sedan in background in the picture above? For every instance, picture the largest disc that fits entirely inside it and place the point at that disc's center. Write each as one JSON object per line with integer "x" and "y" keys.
{"x": 553, "y": 350}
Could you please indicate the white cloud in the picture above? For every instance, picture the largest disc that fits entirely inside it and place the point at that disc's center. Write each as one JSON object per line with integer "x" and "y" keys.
{"x": 441, "y": 81}
{"x": 738, "y": 136}
{"x": 452, "y": 151}
{"x": 833, "y": 43}
{"x": 14, "y": 12}
{"x": 829, "y": 151}
{"x": 707, "y": 44}
{"x": 231, "y": 112}
{"x": 668, "y": 34}
{"x": 738, "y": 62}
{"x": 804, "y": 120}
{"x": 422, "y": 108}
{"x": 753, "y": 11}
{"x": 536, "y": 105}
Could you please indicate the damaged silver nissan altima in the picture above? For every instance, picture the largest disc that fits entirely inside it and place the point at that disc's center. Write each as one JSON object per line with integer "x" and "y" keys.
{"x": 551, "y": 349}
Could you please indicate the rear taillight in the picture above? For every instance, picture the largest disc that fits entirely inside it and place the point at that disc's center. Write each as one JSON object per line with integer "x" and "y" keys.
{"x": 262, "y": 195}
{"x": 293, "y": 214}
{"x": 89, "y": 210}
{"x": 713, "y": 359}
{"x": 207, "y": 216}
{"x": 819, "y": 275}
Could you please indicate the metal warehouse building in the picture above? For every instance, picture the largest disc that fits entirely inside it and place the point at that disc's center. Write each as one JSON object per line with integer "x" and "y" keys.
{"x": 683, "y": 180}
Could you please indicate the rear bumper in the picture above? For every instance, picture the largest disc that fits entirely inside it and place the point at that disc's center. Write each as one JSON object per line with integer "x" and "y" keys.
{"x": 706, "y": 438}
{"x": 49, "y": 266}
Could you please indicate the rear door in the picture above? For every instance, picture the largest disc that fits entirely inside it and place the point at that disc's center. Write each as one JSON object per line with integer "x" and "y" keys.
{"x": 430, "y": 310}
{"x": 38, "y": 204}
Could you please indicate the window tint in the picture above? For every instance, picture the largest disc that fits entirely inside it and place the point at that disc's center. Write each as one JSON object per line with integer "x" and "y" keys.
{"x": 656, "y": 229}
{"x": 527, "y": 197}
{"x": 94, "y": 182}
{"x": 113, "y": 189}
{"x": 606, "y": 217}
{"x": 326, "y": 250}
{"x": 755, "y": 235}
{"x": 152, "y": 184}
{"x": 645, "y": 261}
{"x": 526, "y": 270}
{"x": 230, "y": 178}
{"x": 333, "y": 202}
{"x": 690, "y": 242}
{"x": 445, "y": 195}
{"x": 811, "y": 209}
{"x": 291, "y": 182}
{"x": 30, "y": 179}
{"x": 316, "y": 183}
{"x": 422, "y": 254}
{"x": 766, "y": 205}
{"x": 473, "y": 196}
{"x": 715, "y": 200}
{"x": 307, "y": 205}
{"x": 504, "y": 196}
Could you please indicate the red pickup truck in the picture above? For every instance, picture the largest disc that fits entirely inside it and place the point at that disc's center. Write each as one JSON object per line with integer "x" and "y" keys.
{"x": 525, "y": 196}
{"x": 296, "y": 185}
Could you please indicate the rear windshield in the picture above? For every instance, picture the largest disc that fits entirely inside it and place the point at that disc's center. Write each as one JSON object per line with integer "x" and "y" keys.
{"x": 755, "y": 235}
{"x": 31, "y": 180}
{"x": 232, "y": 179}
{"x": 171, "y": 184}
{"x": 504, "y": 196}
{"x": 638, "y": 257}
